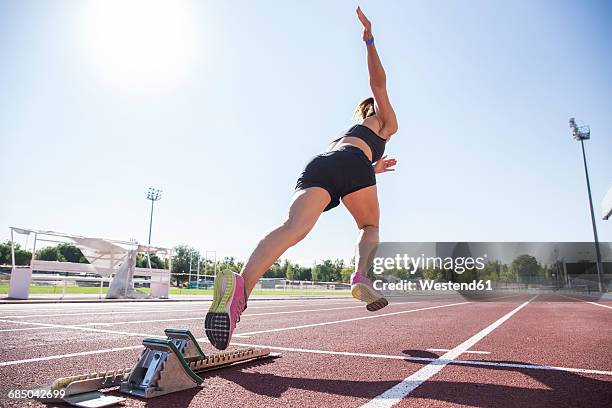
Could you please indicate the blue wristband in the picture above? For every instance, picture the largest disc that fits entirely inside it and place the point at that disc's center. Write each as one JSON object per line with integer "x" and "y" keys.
{"x": 370, "y": 41}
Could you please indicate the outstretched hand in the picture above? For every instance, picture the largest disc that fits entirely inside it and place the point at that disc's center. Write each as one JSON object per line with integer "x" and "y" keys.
{"x": 382, "y": 165}
{"x": 367, "y": 25}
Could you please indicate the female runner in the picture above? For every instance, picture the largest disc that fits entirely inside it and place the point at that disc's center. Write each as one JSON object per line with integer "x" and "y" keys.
{"x": 346, "y": 171}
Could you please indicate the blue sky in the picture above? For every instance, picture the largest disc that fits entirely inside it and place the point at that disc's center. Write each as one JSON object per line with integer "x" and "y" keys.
{"x": 220, "y": 104}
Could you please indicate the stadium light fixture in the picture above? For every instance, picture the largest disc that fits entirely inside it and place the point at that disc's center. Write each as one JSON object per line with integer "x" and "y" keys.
{"x": 154, "y": 195}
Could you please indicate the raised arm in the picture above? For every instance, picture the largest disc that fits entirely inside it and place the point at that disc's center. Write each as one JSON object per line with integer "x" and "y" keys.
{"x": 385, "y": 115}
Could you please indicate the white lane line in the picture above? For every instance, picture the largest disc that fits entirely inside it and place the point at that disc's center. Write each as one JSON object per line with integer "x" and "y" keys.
{"x": 140, "y": 306}
{"x": 586, "y": 301}
{"x": 336, "y": 353}
{"x": 24, "y": 329}
{"x": 58, "y": 357}
{"x": 395, "y": 394}
{"x": 60, "y": 310}
{"x": 139, "y": 311}
{"x": 373, "y": 316}
{"x": 483, "y": 363}
{"x": 88, "y": 329}
{"x": 99, "y": 313}
{"x": 467, "y": 352}
{"x": 108, "y": 306}
{"x": 200, "y": 340}
{"x": 49, "y": 326}
{"x": 178, "y": 319}
{"x": 530, "y": 366}
{"x": 202, "y": 317}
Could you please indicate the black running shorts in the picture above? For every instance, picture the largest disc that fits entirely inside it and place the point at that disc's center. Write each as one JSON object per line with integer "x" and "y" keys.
{"x": 340, "y": 172}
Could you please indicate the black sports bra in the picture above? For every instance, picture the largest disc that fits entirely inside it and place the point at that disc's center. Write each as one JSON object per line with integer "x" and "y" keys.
{"x": 375, "y": 142}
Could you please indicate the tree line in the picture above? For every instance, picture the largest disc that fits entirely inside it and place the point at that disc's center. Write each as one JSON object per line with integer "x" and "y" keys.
{"x": 184, "y": 256}
{"x": 523, "y": 269}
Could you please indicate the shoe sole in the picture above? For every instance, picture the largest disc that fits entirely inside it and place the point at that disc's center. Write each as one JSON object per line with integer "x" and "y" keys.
{"x": 217, "y": 322}
{"x": 365, "y": 294}
{"x": 377, "y": 305}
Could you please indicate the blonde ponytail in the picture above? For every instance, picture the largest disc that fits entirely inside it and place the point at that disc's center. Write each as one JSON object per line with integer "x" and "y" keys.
{"x": 364, "y": 109}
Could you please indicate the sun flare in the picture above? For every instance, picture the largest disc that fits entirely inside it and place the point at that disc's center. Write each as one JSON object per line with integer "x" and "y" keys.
{"x": 139, "y": 44}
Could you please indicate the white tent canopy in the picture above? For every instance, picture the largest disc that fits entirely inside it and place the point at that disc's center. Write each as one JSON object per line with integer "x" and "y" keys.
{"x": 107, "y": 257}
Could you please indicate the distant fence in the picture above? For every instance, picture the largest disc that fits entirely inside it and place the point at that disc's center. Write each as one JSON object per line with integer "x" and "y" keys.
{"x": 63, "y": 282}
{"x": 280, "y": 284}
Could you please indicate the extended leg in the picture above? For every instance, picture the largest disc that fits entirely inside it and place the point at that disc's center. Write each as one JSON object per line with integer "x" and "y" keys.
{"x": 232, "y": 290}
{"x": 306, "y": 207}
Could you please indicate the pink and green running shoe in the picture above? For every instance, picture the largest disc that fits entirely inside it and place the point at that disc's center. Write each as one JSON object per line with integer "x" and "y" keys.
{"x": 362, "y": 289}
{"x": 229, "y": 301}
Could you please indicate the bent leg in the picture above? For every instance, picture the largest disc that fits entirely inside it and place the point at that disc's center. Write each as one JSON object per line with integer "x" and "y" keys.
{"x": 363, "y": 206}
{"x": 367, "y": 243}
{"x": 304, "y": 211}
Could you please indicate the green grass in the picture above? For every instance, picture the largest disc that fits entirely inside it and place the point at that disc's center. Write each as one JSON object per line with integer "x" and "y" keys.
{"x": 88, "y": 290}
{"x": 50, "y": 290}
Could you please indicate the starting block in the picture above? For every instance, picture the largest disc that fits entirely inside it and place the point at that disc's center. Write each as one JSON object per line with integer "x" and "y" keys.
{"x": 163, "y": 367}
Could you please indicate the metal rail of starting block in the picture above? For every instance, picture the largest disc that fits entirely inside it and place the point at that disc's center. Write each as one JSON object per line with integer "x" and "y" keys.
{"x": 163, "y": 367}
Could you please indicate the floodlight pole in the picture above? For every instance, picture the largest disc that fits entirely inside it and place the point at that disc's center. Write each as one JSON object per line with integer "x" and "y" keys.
{"x": 151, "y": 222}
{"x": 154, "y": 195}
{"x": 581, "y": 134}
{"x": 597, "y": 251}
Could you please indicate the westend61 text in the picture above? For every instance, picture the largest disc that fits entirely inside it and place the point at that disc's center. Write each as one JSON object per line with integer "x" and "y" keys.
{"x": 427, "y": 284}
